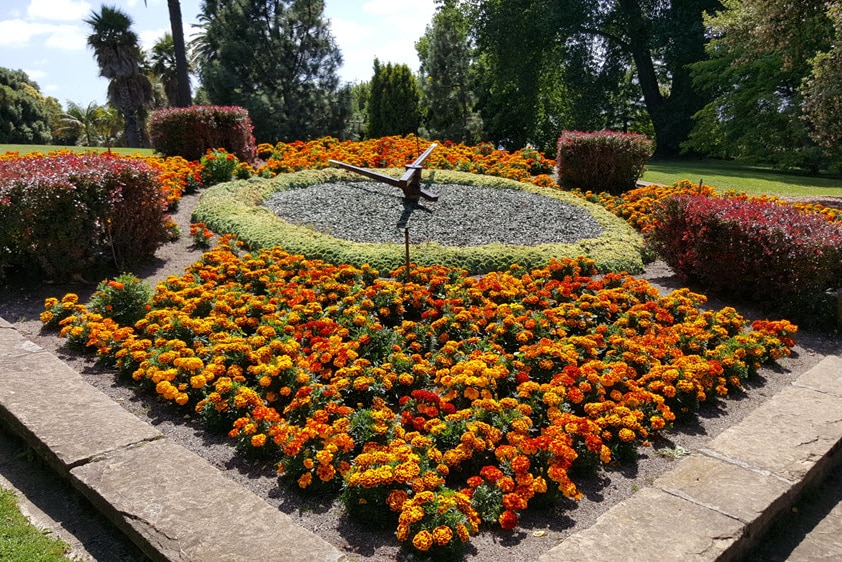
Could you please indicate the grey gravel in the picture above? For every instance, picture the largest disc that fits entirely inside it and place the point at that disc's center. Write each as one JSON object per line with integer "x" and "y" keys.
{"x": 463, "y": 215}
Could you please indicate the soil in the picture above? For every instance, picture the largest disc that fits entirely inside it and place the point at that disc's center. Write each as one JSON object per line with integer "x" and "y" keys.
{"x": 21, "y": 303}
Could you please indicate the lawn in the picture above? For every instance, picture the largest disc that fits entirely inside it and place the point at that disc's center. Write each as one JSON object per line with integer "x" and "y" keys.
{"x": 20, "y": 540}
{"x": 45, "y": 148}
{"x": 754, "y": 180}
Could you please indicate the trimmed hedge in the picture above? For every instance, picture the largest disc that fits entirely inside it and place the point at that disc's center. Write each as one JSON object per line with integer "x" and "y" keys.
{"x": 601, "y": 161}
{"x": 750, "y": 249}
{"x": 235, "y": 208}
{"x": 69, "y": 214}
{"x": 190, "y": 132}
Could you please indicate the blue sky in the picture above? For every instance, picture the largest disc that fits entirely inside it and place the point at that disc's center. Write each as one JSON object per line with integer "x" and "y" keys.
{"x": 46, "y": 38}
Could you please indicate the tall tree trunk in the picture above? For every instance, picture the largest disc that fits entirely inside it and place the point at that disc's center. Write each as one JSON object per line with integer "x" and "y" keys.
{"x": 639, "y": 32}
{"x": 183, "y": 93}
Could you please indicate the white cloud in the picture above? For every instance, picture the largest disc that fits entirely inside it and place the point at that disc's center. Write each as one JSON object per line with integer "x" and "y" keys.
{"x": 62, "y": 10}
{"x": 35, "y": 74}
{"x": 67, "y": 38}
{"x": 149, "y": 37}
{"x": 18, "y": 33}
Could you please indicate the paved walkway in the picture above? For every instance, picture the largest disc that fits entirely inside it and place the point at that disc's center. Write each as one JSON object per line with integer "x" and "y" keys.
{"x": 717, "y": 505}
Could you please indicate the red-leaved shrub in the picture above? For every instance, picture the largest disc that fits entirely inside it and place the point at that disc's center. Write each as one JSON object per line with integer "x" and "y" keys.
{"x": 750, "y": 248}
{"x": 190, "y": 131}
{"x": 601, "y": 161}
{"x": 69, "y": 214}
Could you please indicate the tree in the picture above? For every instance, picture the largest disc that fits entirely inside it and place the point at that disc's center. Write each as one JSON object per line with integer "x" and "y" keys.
{"x": 180, "y": 82}
{"x": 83, "y": 123}
{"x": 24, "y": 115}
{"x": 568, "y": 56}
{"x": 93, "y": 125}
{"x": 393, "y": 105}
{"x": 276, "y": 58}
{"x": 822, "y": 90}
{"x": 446, "y": 77}
{"x": 760, "y": 55}
{"x": 163, "y": 65}
{"x": 118, "y": 54}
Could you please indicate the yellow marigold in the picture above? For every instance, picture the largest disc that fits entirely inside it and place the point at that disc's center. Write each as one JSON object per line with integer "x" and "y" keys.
{"x": 442, "y": 535}
{"x": 423, "y": 540}
{"x": 626, "y": 435}
{"x": 258, "y": 440}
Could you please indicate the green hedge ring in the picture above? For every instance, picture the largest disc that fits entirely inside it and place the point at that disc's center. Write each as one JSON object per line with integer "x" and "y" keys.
{"x": 235, "y": 208}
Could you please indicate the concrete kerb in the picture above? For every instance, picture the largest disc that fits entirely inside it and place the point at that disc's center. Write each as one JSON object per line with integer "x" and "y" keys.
{"x": 714, "y": 505}
{"x": 168, "y": 500}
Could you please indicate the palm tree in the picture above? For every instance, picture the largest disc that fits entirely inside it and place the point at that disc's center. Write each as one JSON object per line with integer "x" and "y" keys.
{"x": 117, "y": 52}
{"x": 182, "y": 70}
{"x": 83, "y": 121}
{"x": 163, "y": 66}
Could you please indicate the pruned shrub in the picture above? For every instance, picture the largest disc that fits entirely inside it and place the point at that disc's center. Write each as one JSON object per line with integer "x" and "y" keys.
{"x": 601, "y": 161}
{"x": 751, "y": 249}
{"x": 69, "y": 214}
{"x": 190, "y": 132}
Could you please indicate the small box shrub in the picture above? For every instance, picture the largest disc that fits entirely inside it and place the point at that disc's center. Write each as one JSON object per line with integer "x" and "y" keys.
{"x": 190, "y": 132}
{"x": 603, "y": 161}
{"x": 69, "y": 214}
{"x": 750, "y": 249}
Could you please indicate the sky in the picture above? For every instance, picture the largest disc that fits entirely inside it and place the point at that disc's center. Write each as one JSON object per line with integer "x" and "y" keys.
{"x": 47, "y": 38}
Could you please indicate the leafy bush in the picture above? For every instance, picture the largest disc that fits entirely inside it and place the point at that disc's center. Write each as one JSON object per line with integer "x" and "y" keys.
{"x": 124, "y": 299}
{"x": 750, "y": 248}
{"x": 69, "y": 214}
{"x": 218, "y": 166}
{"x": 189, "y": 132}
{"x": 601, "y": 161}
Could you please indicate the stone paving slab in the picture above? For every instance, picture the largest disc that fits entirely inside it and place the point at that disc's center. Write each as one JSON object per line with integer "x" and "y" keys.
{"x": 787, "y": 435}
{"x": 180, "y": 508}
{"x": 826, "y": 376}
{"x": 824, "y": 542}
{"x": 57, "y": 413}
{"x": 651, "y": 525}
{"x": 740, "y": 493}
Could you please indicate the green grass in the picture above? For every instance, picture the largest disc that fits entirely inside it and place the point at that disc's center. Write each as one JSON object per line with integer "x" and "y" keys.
{"x": 754, "y": 180}
{"x": 20, "y": 540}
{"x": 45, "y": 148}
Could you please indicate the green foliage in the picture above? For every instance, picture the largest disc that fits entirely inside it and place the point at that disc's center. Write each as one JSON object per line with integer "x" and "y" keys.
{"x": 822, "y": 90}
{"x": 548, "y": 66}
{"x": 24, "y": 112}
{"x": 162, "y": 64}
{"x": 603, "y": 161}
{"x": 447, "y": 78}
{"x": 355, "y": 127}
{"x": 277, "y": 59}
{"x": 235, "y": 208}
{"x": 93, "y": 125}
{"x": 125, "y": 299}
{"x": 393, "y": 103}
{"x": 758, "y": 59}
{"x": 219, "y": 166}
{"x": 190, "y": 132}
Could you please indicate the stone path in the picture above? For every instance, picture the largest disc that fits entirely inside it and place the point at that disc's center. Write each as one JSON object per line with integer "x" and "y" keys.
{"x": 717, "y": 505}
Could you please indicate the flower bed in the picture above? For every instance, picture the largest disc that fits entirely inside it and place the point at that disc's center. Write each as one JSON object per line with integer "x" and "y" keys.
{"x": 437, "y": 402}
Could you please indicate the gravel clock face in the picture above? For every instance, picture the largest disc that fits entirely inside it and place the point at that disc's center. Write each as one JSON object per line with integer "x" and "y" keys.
{"x": 464, "y": 215}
